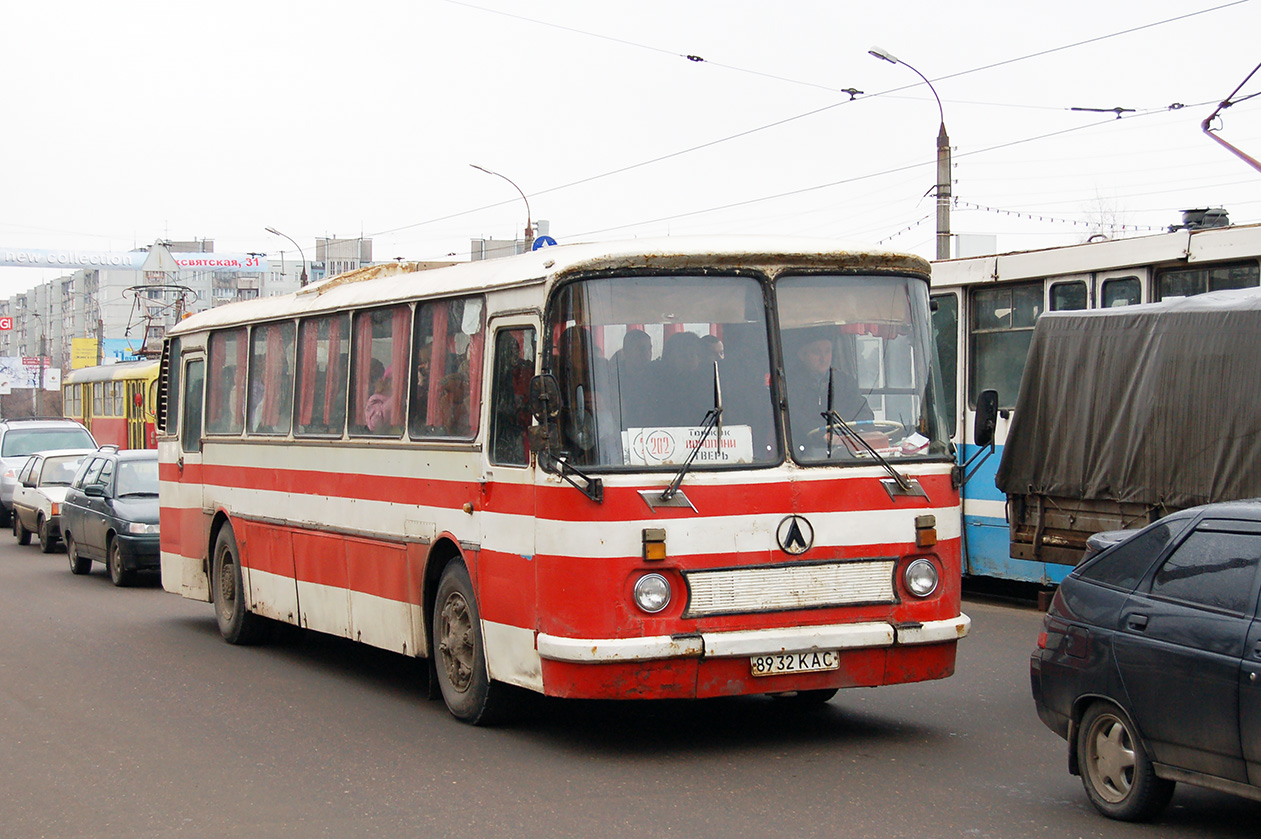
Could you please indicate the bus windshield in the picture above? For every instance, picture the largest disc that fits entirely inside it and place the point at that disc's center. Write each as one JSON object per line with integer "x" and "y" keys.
{"x": 857, "y": 353}
{"x": 638, "y": 360}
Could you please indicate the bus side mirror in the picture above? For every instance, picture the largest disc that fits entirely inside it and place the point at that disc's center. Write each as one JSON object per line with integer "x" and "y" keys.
{"x": 545, "y": 398}
{"x": 986, "y": 418}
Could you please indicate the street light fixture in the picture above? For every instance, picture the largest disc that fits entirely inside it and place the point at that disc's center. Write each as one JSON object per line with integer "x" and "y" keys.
{"x": 943, "y": 158}
{"x": 529, "y": 221}
{"x": 275, "y": 232}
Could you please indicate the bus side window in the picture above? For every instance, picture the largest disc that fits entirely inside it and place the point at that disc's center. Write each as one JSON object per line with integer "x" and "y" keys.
{"x": 946, "y": 335}
{"x": 447, "y": 358}
{"x": 323, "y": 348}
{"x": 271, "y": 378}
{"x": 225, "y": 403}
{"x": 378, "y": 371}
{"x": 190, "y": 441}
{"x": 173, "y": 401}
{"x": 510, "y": 390}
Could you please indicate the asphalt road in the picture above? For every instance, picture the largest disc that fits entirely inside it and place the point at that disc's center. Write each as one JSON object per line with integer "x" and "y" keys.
{"x": 123, "y": 714}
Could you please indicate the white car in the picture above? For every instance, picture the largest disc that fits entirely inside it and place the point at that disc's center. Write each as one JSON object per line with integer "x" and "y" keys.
{"x": 39, "y": 493}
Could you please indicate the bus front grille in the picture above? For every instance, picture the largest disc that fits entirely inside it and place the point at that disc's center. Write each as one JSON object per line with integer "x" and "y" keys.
{"x": 776, "y": 588}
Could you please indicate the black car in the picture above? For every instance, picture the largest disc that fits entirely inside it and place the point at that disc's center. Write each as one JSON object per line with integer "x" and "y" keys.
{"x": 1149, "y": 663}
{"x": 111, "y": 514}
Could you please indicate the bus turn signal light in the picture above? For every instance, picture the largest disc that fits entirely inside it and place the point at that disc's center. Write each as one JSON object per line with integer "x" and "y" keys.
{"x": 654, "y": 544}
{"x": 925, "y": 531}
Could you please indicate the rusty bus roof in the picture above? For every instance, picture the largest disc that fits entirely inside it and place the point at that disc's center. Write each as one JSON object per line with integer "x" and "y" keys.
{"x": 395, "y": 282}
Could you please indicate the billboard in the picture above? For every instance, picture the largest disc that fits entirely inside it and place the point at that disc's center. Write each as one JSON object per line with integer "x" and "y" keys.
{"x": 22, "y": 373}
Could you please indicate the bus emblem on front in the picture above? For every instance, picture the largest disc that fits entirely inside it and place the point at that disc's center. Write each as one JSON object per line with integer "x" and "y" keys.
{"x": 795, "y": 535}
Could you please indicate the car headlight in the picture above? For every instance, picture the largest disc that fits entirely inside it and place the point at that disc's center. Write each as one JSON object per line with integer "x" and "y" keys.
{"x": 652, "y": 593}
{"x": 137, "y": 528}
{"x": 921, "y": 578}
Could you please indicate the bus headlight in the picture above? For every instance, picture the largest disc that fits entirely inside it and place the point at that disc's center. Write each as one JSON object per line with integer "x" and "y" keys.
{"x": 921, "y": 578}
{"x": 652, "y": 593}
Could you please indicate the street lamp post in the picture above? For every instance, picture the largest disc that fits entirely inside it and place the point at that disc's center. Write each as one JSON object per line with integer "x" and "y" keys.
{"x": 40, "y": 361}
{"x": 943, "y": 159}
{"x": 529, "y": 221}
{"x": 301, "y": 255}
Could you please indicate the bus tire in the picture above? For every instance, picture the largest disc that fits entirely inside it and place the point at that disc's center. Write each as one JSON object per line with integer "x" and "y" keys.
{"x": 19, "y": 530}
{"x": 237, "y": 624}
{"x": 78, "y": 564}
{"x": 459, "y": 651}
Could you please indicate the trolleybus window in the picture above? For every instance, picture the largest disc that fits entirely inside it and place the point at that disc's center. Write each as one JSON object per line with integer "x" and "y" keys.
{"x": 323, "y": 350}
{"x": 1121, "y": 291}
{"x": 946, "y": 334}
{"x": 271, "y": 378}
{"x": 1069, "y": 296}
{"x": 1002, "y": 328}
{"x": 173, "y": 400}
{"x": 1184, "y": 282}
{"x": 857, "y": 352}
{"x": 225, "y": 401}
{"x": 637, "y": 376}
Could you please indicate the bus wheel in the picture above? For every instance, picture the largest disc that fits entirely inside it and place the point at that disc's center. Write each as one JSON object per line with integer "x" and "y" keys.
{"x": 237, "y": 624}
{"x": 20, "y": 532}
{"x": 459, "y": 653}
{"x": 78, "y": 564}
{"x": 47, "y": 539}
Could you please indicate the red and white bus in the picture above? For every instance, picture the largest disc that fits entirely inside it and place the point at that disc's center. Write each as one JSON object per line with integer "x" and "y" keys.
{"x": 681, "y": 468}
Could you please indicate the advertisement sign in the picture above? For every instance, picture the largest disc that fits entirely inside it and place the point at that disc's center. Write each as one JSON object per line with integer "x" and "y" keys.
{"x": 72, "y": 260}
{"x": 23, "y": 373}
{"x": 82, "y": 353}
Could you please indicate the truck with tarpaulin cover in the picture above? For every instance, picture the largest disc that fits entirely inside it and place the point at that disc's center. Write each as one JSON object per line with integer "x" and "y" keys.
{"x": 1125, "y": 415}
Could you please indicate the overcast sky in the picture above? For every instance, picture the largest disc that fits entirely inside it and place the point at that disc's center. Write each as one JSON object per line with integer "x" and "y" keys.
{"x": 132, "y": 121}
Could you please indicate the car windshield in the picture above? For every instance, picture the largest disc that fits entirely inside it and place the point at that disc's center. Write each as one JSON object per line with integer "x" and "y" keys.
{"x": 137, "y": 477}
{"x": 59, "y": 471}
{"x": 858, "y": 352}
{"x": 635, "y": 360}
{"x": 25, "y": 441}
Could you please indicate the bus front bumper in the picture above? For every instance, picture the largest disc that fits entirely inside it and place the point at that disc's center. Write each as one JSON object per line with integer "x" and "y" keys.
{"x": 744, "y": 644}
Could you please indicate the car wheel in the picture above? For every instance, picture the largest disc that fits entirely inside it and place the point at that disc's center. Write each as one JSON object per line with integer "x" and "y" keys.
{"x": 118, "y": 573}
{"x": 78, "y": 564}
{"x": 20, "y": 532}
{"x": 237, "y": 624}
{"x": 47, "y": 539}
{"x": 1115, "y": 769}
{"x": 459, "y": 652}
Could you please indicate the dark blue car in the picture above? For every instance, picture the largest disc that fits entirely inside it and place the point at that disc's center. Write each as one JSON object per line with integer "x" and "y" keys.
{"x": 1149, "y": 664}
{"x": 110, "y": 514}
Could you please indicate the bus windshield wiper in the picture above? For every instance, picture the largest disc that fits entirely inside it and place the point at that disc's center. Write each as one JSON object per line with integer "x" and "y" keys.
{"x": 713, "y": 419}
{"x": 834, "y": 421}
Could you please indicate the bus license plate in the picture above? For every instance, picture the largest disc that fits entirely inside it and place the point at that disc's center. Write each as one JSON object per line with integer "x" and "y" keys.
{"x": 812, "y": 662}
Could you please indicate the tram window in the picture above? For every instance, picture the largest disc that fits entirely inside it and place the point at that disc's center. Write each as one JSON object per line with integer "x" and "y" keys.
{"x": 510, "y": 392}
{"x": 1002, "y": 329}
{"x": 1185, "y": 282}
{"x": 447, "y": 359}
{"x": 190, "y": 441}
{"x": 946, "y": 336}
{"x": 98, "y": 399}
{"x": 323, "y": 350}
{"x": 1120, "y": 291}
{"x": 271, "y": 378}
{"x": 378, "y": 371}
{"x": 117, "y": 390}
{"x": 225, "y": 402}
{"x": 1069, "y": 296}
